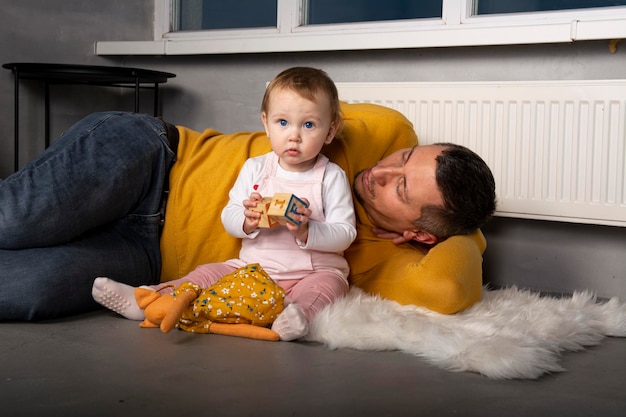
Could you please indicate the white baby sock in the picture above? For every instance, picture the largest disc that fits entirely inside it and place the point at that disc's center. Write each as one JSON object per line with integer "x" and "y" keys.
{"x": 118, "y": 297}
{"x": 291, "y": 323}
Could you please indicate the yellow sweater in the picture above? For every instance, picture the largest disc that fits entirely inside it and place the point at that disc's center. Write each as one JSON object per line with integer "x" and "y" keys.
{"x": 448, "y": 279}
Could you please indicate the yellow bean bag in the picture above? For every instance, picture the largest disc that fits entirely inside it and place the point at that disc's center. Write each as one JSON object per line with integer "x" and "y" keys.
{"x": 448, "y": 279}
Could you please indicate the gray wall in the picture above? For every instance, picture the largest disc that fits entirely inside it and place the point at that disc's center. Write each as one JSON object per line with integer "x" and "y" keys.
{"x": 224, "y": 92}
{"x": 59, "y": 31}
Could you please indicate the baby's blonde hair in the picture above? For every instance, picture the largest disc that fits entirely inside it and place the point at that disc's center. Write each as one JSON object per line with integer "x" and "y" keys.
{"x": 309, "y": 83}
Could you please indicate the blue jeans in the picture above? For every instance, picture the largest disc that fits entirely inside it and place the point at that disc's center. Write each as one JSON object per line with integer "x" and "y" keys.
{"x": 88, "y": 206}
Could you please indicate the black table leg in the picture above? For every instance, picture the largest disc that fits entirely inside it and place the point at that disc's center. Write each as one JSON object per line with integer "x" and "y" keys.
{"x": 156, "y": 99}
{"x": 16, "y": 115}
{"x": 136, "y": 93}
{"x": 46, "y": 114}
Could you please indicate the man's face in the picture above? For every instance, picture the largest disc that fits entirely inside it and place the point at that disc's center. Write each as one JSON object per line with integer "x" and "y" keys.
{"x": 395, "y": 189}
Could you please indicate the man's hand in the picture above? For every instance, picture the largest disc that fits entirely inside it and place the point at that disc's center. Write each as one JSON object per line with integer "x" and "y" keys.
{"x": 398, "y": 239}
{"x": 395, "y": 237}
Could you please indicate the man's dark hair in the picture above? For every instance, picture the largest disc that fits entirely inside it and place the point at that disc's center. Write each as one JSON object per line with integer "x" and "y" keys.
{"x": 468, "y": 190}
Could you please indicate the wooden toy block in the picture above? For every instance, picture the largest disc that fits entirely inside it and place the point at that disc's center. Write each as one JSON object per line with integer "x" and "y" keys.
{"x": 263, "y": 207}
{"x": 283, "y": 207}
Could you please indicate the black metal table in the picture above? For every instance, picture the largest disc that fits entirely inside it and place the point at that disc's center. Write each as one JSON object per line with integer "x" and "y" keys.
{"x": 96, "y": 75}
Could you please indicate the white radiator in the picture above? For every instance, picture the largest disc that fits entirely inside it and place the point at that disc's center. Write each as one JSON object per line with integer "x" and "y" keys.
{"x": 557, "y": 148}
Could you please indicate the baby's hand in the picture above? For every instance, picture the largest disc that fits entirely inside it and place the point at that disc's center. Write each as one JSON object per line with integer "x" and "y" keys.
{"x": 301, "y": 232}
{"x": 251, "y": 221}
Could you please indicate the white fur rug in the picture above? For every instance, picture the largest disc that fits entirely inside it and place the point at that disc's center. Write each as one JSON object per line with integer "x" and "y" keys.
{"x": 511, "y": 333}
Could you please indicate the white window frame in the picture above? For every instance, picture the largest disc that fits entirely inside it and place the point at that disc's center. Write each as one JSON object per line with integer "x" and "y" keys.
{"x": 457, "y": 27}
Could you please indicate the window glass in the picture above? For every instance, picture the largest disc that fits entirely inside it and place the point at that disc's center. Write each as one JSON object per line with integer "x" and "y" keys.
{"x": 348, "y": 11}
{"x": 221, "y": 14}
{"x": 517, "y": 6}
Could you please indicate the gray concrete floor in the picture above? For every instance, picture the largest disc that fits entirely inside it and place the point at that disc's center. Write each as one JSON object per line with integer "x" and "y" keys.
{"x": 101, "y": 365}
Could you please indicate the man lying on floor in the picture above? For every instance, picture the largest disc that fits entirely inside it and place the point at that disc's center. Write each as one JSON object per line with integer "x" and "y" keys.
{"x": 92, "y": 205}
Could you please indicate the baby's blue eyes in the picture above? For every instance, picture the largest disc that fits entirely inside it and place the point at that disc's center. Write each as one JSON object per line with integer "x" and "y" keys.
{"x": 307, "y": 125}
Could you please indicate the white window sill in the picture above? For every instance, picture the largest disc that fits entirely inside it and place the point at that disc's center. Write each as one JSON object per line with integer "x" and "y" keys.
{"x": 475, "y": 32}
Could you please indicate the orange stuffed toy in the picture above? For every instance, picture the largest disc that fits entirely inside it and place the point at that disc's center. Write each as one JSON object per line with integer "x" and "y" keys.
{"x": 239, "y": 304}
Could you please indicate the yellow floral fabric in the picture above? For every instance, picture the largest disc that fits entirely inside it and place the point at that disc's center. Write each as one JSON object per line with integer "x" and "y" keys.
{"x": 247, "y": 295}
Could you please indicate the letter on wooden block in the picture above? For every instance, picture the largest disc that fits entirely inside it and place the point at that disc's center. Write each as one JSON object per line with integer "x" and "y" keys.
{"x": 263, "y": 208}
{"x": 278, "y": 209}
{"x": 283, "y": 208}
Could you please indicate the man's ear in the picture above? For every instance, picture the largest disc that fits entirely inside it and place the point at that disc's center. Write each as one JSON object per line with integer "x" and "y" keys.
{"x": 421, "y": 236}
